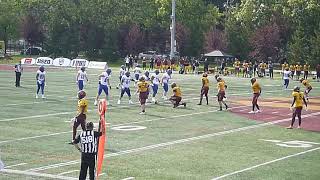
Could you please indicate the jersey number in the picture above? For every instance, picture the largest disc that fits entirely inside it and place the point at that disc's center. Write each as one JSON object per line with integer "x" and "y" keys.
{"x": 87, "y": 139}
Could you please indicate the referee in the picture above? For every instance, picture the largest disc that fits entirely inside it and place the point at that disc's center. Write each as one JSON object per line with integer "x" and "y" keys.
{"x": 18, "y": 69}
{"x": 88, "y": 142}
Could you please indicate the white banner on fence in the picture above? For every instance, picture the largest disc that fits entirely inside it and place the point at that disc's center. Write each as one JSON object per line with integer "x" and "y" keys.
{"x": 44, "y": 61}
{"x": 79, "y": 63}
{"x": 61, "y": 62}
{"x": 97, "y": 65}
{"x": 28, "y": 61}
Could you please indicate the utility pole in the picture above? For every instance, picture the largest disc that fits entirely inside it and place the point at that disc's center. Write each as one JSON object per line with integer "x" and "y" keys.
{"x": 173, "y": 30}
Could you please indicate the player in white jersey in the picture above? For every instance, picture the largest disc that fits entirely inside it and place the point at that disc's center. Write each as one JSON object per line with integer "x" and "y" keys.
{"x": 41, "y": 80}
{"x": 286, "y": 77}
{"x": 122, "y": 72}
{"x": 155, "y": 81}
{"x": 137, "y": 73}
{"x": 104, "y": 85}
{"x": 165, "y": 83}
{"x": 81, "y": 78}
{"x": 125, "y": 86}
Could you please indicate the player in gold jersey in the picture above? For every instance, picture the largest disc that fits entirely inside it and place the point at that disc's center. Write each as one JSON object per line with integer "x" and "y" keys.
{"x": 296, "y": 106}
{"x": 177, "y": 96}
{"x": 81, "y": 116}
{"x": 256, "y": 88}
{"x": 221, "y": 93}
{"x": 308, "y": 87}
{"x": 143, "y": 90}
{"x": 205, "y": 88}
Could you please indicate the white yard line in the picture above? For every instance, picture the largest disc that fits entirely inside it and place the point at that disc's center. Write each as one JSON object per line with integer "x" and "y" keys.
{"x": 266, "y": 163}
{"x": 15, "y": 165}
{"x": 67, "y": 172}
{"x": 128, "y": 178}
{"x": 63, "y": 113}
{"x": 116, "y": 125}
{"x": 155, "y": 146}
{"x": 26, "y": 173}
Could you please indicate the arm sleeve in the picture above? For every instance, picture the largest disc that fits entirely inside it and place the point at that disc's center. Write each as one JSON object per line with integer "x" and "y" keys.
{"x": 97, "y": 134}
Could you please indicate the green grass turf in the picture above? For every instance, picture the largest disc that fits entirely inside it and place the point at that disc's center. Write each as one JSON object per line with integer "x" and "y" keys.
{"x": 203, "y": 158}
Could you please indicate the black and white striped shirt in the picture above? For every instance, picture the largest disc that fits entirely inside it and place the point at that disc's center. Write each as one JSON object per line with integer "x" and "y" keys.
{"x": 88, "y": 141}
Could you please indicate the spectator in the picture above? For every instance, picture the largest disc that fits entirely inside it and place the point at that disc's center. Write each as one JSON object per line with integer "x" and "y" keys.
{"x": 206, "y": 65}
{"x": 318, "y": 72}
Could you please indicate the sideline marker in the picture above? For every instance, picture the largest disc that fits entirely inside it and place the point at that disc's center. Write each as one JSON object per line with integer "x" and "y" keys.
{"x": 102, "y": 108}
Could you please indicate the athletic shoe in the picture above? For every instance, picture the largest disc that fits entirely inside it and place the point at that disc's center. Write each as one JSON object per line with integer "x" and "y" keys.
{"x": 130, "y": 102}
{"x": 43, "y": 97}
{"x": 252, "y": 112}
{"x": 119, "y": 102}
{"x": 258, "y": 111}
{"x": 95, "y": 102}
{"x": 37, "y": 96}
{"x": 142, "y": 113}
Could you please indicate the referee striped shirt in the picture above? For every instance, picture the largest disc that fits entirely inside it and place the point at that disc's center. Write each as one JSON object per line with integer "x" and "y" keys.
{"x": 88, "y": 141}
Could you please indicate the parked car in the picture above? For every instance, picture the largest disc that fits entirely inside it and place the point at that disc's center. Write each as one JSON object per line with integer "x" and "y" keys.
{"x": 149, "y": 54}
{"x": 167, "y": 55}
{"x": 33, "y": 51}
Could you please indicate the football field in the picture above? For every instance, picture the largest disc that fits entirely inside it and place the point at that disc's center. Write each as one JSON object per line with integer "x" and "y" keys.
{"x": 192, "y": 143}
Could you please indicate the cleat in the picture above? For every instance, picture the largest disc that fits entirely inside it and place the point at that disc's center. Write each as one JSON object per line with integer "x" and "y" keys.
{"x": 71, "y": 143}
{"x": 43, "y": 97}
{"x": 258, "y": 111}
{"x": 290, "y": 127}
{"x": 251, "y": 112}
{"x": 37, "y": 96}
{"x": 200, "y": 104}
{"x": 95, "y": 102}
{"x": 142, "y": 113}
{"x": 299, "y": 127}
{"x": 119, "y": 102}
{"x": 130, "y": 102}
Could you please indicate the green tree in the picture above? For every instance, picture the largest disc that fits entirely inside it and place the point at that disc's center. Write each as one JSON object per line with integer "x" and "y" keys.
{"x": 9, "y": 21}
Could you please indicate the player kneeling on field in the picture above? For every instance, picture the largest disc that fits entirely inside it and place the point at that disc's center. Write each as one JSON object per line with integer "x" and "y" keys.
{"x": 81, "y": 117}
{"x": 177, "y": 96}
{"x": 297, "y": 104}
{"x": 143, "y": 90}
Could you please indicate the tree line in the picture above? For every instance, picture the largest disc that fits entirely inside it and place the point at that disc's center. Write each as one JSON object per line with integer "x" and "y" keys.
{"x": 277, "y": 30}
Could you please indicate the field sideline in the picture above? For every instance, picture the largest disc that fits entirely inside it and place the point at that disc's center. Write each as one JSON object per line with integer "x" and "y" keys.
{"x": 196, "y": 142}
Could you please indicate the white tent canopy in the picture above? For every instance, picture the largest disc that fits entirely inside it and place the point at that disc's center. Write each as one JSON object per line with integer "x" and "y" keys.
{"x": 217, "y": 53}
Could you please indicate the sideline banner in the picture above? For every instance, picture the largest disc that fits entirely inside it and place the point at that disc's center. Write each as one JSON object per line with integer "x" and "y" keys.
{"x": 44, "y": 61}
{"x": 102, "y": 108}
{"x": 28, "y": 61}
{"x": 62, "y": 62}
{"x": 79, "y": 63}
{"x": 97, "y": 65}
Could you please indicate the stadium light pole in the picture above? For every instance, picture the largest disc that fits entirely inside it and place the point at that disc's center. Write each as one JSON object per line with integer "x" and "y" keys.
{"x": 173, "y": 30}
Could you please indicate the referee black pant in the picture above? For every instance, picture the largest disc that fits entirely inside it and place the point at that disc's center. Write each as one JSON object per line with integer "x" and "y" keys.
{"x": 18, "y": 75}
{"x": 88, "y": 160}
